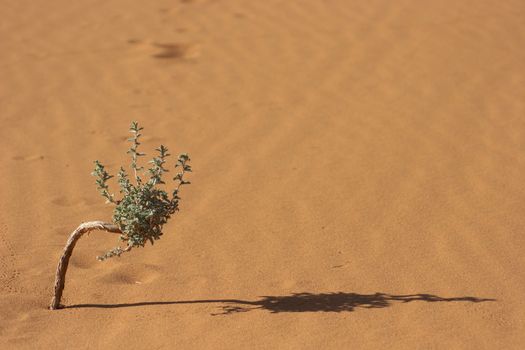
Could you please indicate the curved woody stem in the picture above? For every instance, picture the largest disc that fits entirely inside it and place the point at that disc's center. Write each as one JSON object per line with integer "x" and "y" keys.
{"x": 63, "y": 263}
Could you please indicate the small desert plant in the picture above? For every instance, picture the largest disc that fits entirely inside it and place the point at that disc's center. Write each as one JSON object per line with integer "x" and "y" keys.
{"x": 141, "y": 212}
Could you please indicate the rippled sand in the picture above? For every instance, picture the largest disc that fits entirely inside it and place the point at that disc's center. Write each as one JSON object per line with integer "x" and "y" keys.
{"x": 359, "y": 173}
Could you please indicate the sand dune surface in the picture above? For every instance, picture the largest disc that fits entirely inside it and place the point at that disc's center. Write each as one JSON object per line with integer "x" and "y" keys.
{"x": 358, "y": 173}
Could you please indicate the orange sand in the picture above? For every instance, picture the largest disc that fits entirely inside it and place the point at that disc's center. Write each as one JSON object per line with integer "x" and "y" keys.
{"x": 341, "y": 149}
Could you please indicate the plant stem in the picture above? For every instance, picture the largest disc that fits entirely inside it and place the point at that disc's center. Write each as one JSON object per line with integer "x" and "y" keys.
{"x": 60, "y": 277}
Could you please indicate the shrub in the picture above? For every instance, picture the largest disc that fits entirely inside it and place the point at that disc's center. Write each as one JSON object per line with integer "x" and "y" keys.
{"x": 141, "y": 212}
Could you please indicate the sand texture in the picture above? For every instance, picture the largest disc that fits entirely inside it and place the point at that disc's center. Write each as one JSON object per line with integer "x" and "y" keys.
{"x": 358, "y": 173}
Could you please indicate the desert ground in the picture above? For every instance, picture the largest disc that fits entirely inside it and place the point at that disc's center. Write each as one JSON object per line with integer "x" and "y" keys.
{"x": 358, "y": 173}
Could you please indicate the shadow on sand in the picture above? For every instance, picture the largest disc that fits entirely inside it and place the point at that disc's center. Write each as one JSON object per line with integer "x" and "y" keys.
{"x": 301, "y": 302}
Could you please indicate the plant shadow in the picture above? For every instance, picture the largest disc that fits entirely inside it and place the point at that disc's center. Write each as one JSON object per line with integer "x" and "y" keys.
{"x": 302, "y": 302}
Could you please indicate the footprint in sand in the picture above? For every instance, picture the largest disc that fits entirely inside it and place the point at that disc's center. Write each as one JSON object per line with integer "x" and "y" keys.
{"x": 167, "y": 51}
{"x": 29, "y": 157}
{"x": 8, "y": 271}
{"x": 69, "y": 202}
{"x": 124, "y": 275}
{"x": 84, "y": 259}
{"x": 176, "y": 51}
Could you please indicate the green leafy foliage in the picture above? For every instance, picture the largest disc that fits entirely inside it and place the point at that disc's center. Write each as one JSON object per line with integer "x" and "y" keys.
{"x": 144, "y": 207}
